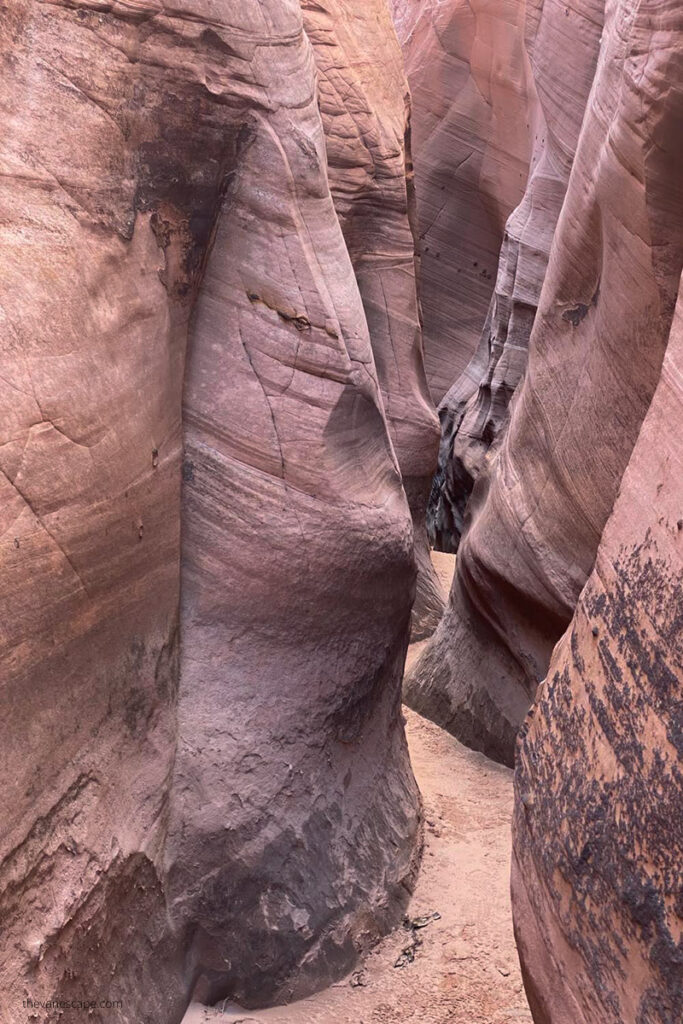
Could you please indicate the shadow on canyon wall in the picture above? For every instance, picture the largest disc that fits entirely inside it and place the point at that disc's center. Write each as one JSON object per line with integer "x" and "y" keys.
{"x": 228, "y": 306}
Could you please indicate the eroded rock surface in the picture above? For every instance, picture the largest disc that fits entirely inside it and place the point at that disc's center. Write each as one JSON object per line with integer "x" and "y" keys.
{"x": 161, "y": 161}
{"x": 538, "y": 510}
{"x": 365, "y": 108}
{"x": 93, "y": 326}
{"x": 468, "y": 72}
{"x": 598, "y": 845}
{"x": 474, "y": 412}
{"x": 289, "y": 702}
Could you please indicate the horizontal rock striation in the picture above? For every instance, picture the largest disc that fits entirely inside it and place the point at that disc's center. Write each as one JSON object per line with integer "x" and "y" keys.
{"x": 179, "y": 764}
{"x": 468, "y": 72}
{"x": 598, "y": 845}
{"x": 291, "y": 751}
{"x": 93, "y": 326}
{"x": 366, "y": 119}
{"x": 474, "y": 412}
{"x": 595, "y": 353}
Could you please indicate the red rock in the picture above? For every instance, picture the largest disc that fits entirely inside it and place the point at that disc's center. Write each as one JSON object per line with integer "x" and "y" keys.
{"x": 474, "y": 412}
{"x": 468, "y": 73}
{"x": 257, "y": 827}
{"x": 598, "y": 843}
{"x": 366, "y": 118}
{"x": 539, "y": 507}
{"x": 280, "y": 701}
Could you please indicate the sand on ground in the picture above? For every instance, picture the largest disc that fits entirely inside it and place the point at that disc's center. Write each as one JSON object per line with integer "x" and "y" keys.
{"x": 466, "y": 970}
{"x": 445, "y": 567}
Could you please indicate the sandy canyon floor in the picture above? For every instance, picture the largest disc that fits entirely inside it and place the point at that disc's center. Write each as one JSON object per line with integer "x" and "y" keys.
{"x": 465, "y": 969}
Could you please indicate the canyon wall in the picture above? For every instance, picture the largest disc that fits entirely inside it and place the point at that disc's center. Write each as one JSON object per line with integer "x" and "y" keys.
{"x": 366, "y": 119}
{"x": 291, "y": 748}
{"x": 474, "y": 116}
{"x": 236, "y": 809}
{"x": 598, "y": 845}
{"x": 474, "y": 412}
{"x": 539, "y": 507}
{"x": 93, "y": 326}
{"x": 587, "y": 285}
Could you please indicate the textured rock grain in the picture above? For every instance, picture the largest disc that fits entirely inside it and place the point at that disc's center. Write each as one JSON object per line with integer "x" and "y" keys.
{"x": 159, "y": 162}
{"x": 539, "y": 507}
{"x": 366, "y": 118}
{"x": 91, "y": 382}
{"x": 474, "y": 412}
{"x": 598, "y": 846}
{"x": 289, "y": 703}
{"x": 469, "y": 76}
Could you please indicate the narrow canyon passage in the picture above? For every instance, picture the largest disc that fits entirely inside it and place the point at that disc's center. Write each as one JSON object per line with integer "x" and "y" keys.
{"x": 460, "y": 967}
{"x": 293, "y": 293}
{"x": 466, "y": 970}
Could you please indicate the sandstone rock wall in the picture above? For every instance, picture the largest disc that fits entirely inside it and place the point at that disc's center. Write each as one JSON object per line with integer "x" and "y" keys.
{"x": 538, "y": 509}
{"x": 292, "y": 751}
{"x": 598, "y": 845}
{"x": 165, "y": 166}
{"x": 474, "y": 412}
{"x": 473, "y": 125}
{"x": 366, "y": 118}
{"x": 93, "y": 327}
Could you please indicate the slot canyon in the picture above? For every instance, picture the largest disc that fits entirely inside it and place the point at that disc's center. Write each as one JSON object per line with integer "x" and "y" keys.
{"x": 341, "y": 452}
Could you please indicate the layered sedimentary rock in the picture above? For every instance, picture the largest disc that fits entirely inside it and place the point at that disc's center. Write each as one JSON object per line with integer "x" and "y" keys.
{"x": 538, "y": 510}
{"x": 289, "y": 675}
{"x": 160, "y": 162}
{"x": 366, "y": 118}
{"x": 474, "y": 412}
{"x": 92, "y": 336}
{"x": 598, "y": 846}
{"x": 472, "y": 133}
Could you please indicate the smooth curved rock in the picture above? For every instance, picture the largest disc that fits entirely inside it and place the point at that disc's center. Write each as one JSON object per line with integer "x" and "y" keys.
{"x": 474, "y": 413}
{"x": 293, "y": 823}
{"x": 366, "y": 118}
{"x": 469, "y": 77}
{"x": 92, "y": 341}
{"x": 154, "y": 156}
{"x": 598, "y": 844}
{"x": 537, "y": 512}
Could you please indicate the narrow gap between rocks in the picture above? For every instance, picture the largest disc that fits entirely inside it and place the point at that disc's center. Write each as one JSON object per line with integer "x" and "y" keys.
{"x": 453, "y": 961}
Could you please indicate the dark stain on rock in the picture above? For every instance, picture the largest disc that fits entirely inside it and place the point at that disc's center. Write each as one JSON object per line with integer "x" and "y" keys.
{"x": 575, "y": 315}
{"x": 609, "y": 836}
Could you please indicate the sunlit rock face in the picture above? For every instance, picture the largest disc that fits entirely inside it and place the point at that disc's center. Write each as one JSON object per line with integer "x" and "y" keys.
{"x": 365, "y": 108}
{"x": 204, "y": 773}
{"x": 595, "y": 353}
{"x": 474, "y": 412}
{"x": 598, "y": 845}
{"x": 473, "y": 124}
